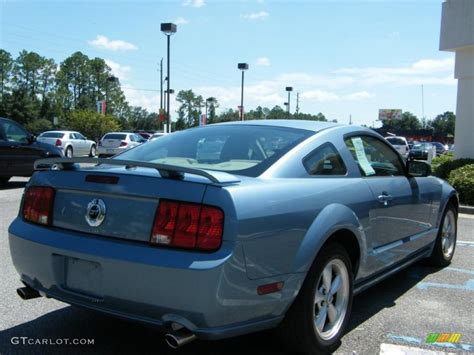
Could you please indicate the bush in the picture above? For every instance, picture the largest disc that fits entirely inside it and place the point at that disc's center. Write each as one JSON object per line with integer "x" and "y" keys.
{"x": 91, "y": 124}
{"x": 39, "y": 126}
{"x": 443, "y": 158}
{"x": 462, "y": 179}
{"x": 442, "y": 170}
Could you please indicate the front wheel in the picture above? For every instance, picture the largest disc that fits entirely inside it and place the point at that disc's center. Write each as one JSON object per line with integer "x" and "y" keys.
{"x": 445, "y": 244}
{"x": 317, "y": 319}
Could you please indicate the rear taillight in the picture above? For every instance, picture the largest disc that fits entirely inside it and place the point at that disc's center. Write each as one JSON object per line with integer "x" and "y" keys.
{"x": 123, "y": 144}
{"x": 188, "y": 225}
{"x": 38, "y": 205}
{"x": 58, "y": 142}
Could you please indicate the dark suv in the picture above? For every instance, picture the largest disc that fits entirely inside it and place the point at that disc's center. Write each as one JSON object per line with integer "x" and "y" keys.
{"x": 19, "y": 150}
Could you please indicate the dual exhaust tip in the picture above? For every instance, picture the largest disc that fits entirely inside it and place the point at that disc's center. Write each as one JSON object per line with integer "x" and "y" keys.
{"x": 27, "y": 293}
{"x": 178, "y": 338}
{"x": 175, "y": 339}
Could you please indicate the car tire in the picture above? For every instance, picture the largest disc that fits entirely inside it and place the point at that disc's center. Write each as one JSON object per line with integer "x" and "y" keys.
{"x": 69, "y": 152}
{"x": 445, "y": 243}
{"x": 4, "y": 180}
{"x": 93, "y": 151}
{"x": 306, "y": 327}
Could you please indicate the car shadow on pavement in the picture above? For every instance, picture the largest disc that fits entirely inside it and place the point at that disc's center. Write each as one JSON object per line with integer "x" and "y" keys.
{"x": 111, "y": 335}
{"x": 13, "y": 185}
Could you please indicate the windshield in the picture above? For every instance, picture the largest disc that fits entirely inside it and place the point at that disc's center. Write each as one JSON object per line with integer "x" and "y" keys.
{"x": 115, "y": 136}
{"x": 246, "y": 150}
{"x": 396, "y": 141}
{"x": 52, "y": 135}
{"x": 422, "y": 146}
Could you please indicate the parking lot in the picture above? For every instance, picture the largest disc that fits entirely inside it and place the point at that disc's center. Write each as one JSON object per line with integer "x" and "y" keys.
{"x": 398, "y": 313}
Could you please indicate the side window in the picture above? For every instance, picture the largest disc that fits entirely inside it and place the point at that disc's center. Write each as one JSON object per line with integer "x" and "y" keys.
{"x": 72, "y": 136}
{"x": 15, "y": 133}
{"x": 79, "y": 136}
{"x": 132, "y": 137}
{"x": 325, "y": 160}
{"x": 374, "y": 157}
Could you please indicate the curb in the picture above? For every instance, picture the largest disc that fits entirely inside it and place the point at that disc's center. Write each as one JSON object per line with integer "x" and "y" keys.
{"x": 466, "y": 209}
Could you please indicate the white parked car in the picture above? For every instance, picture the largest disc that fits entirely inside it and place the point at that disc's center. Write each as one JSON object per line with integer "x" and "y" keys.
{"x": 72, "y": 143}
{"x": 117, "y": 142}
{"x": 400, "y": 144}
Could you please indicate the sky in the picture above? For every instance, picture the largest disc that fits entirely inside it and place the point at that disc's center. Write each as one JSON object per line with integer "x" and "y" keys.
{"x": 344, "y": 58}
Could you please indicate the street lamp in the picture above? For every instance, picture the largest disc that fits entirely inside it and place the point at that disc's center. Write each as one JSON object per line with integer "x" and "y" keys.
{"x": 289, "y": 89}
{"x": 110, "y": 79}
{"x": 209, "y": 100}
{"x": 243, "y": 67}
{"x": 166, "y": 99}
{"x": 168, "y": 29}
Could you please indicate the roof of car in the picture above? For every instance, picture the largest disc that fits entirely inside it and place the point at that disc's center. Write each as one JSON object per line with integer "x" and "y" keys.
{"x": 315, "y": 126}
{"x": 60, "y": 132}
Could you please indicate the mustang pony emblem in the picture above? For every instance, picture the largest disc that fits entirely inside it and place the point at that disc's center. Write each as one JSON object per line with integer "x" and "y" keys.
{"x": 95, "y": 213}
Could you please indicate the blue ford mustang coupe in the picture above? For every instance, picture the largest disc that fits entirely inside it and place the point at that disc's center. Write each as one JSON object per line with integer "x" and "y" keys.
{"x": 232, "y": 228}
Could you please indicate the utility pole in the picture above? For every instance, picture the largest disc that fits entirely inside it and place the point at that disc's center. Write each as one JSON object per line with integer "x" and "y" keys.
{"x": 297, "y": 102}
{"x": 161, "y": 84}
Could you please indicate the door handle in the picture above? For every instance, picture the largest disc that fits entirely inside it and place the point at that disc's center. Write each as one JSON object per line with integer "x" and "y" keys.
{"x": 384, "y": 198}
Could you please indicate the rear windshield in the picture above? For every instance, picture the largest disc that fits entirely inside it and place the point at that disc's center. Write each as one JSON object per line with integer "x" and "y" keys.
{"x": 245, "y": 150}
{"x": 396, "y": 141}
{"x": 52, "y": 135}
{"x": 115, "y": 136}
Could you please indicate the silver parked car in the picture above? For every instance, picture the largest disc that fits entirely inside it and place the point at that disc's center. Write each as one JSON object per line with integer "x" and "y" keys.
{"x": 117, "y": 142}
{"x": 72, "y": 143}
{"x": 400, "y": 144}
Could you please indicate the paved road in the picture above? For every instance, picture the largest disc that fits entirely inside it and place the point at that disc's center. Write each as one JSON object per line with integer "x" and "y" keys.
{"x": 398, "y": 312}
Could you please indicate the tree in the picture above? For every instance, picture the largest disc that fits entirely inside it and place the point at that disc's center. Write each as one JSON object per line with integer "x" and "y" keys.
{"x": 91, "y": 124}
{"x": 408, "y": 121}
{"x": 6, "y": 66}
{"x": 443, "y": 124}
{"x": 190, "y": 108}
{"x": 277, "y": 113}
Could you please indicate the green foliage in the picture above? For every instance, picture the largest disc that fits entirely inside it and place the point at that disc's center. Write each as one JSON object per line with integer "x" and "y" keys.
{"x": 443, "y": 124}
{"x": 443, "y": 170}
{"x": 38, "y": 126}
{"x": 462, "y": 179}
{"x": 190, "y": 108}
{"x": 437, "y": 161}
{"x": 408, "y": 121}
{"x": 91, "y": 124}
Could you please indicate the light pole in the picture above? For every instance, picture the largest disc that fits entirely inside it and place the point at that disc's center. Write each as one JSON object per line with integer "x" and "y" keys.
{"x": 168, "y": 29}
{"x": 243, "y": 67}
{"x": 289, "y": 89}
{"x": 209, "y": 100}
{"x": 110, "y": 79}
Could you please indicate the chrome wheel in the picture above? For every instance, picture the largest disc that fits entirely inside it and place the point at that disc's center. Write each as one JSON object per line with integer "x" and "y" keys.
{"x": 69, "y": 152}
{"x": 331, "y": 299}
{"x": 93, "y": 152}
{"x": 448, "y": 234}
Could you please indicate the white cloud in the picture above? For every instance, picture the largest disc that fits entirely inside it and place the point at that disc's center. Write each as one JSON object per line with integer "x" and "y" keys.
{"x": 148, "y": 100}
{"x": 425, "y": 71}
{"x": 194, "y": 3}
{"x": 264, "y": 61}
{"x": 320, "y": 95}
{"x": 120, "y": 71}
{"x": 103, "y": 42}
{"x": 181, "y": 21}
{"x": 358, "y": 96}
{"x": 255, "y": 15}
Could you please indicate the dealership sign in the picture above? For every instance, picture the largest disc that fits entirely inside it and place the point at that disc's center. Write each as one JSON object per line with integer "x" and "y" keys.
{"x": 389, "y": 114}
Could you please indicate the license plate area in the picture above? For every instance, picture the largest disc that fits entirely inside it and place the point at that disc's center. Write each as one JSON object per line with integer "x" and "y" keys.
{"x": 83, "y": 276}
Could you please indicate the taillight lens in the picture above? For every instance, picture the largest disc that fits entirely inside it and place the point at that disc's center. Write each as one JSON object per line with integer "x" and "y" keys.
{"x": 58, "y": 142}
{"x": 188, "y": 225}
{"x": 123, "y": 144}
{"x": 38, "y": 205}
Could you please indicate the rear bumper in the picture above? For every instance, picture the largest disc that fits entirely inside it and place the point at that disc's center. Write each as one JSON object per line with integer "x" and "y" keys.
{"x": 111, "y": 151}
{"x": 209, "y": 294}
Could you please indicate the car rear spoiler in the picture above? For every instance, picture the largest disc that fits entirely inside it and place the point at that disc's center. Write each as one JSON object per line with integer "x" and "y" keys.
{"x": 165, "y": 170}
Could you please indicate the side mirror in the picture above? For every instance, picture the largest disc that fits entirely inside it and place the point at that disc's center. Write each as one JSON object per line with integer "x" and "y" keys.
{"x": 31, "y": 138}
{"x": 418, "y": 168}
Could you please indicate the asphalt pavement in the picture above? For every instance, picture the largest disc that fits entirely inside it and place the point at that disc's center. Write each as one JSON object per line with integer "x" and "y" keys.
{"x": 394, "y": 316}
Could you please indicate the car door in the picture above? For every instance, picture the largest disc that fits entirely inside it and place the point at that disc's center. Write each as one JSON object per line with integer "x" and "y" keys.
{"x": 19, "y": 152}
{"x": 399, "y": 212}
{"x": 82, "y": 143}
